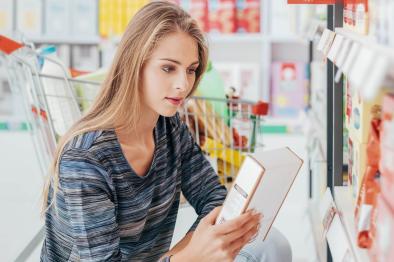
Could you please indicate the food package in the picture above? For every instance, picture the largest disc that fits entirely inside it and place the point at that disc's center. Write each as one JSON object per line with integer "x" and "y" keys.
{"x": 289, "y": 94}
{"x": 365, "y": 213}
{"x": 383, "y": 246}
{"x": 198, "y": 9}
{"x": 222, "y": 16}
{"x": 248, "y": 16}
{"x": 387, "y": 149}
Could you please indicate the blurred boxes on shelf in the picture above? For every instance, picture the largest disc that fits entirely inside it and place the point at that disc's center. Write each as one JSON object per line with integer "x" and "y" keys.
{"x": 198, "y": 9}
{"x": 357, "y": 163}
{"x": 243, "y": 77}
{"x": 356, "y": 15}
{"x": 360, "y": 111}
{"x": 6, "y": 17}
{"x": 222, "y": 16}
{"x": 383, "y": 246}
{"x": 114, "y": 15}
{"x": 84, "y": 18}
{"x": 57, "y": 18}
{"x": 29, "y": 17}
{"x": 283, "y": 18}
{"x": 381, "y": 22}
{"x": 386, "y": 164}
{"x": 85, "y": 58}
{"x": 289, "y": 92}
{"x": 248, "y": 16}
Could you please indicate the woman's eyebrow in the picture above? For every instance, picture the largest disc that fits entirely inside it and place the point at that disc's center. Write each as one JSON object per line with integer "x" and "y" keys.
{"x": 177, "y": 62}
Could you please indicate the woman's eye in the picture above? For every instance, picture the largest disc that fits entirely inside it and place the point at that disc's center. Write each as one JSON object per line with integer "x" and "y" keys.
{"x": 192, "y": 70}
{"x": 167, "y": 69}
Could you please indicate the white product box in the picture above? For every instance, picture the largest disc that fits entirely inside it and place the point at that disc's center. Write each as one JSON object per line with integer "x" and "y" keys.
{"x": 85, "y": 58}
{"x": 29, "y": 17}
{"x": 6, "y": 14}
{"x": 57, "y": 18}
{"x": 84, "y": 18}
{"x": 244, "y": 77}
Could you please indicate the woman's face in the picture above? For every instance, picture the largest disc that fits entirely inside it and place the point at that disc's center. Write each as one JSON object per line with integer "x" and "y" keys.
{"x": 169, "y": 74}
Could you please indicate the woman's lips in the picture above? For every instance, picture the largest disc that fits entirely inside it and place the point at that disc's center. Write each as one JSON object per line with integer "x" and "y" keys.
{"x": 174, "y": 100}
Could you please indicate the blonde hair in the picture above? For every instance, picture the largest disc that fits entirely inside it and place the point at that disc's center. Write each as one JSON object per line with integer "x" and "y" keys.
{"x": 118, "y": 103}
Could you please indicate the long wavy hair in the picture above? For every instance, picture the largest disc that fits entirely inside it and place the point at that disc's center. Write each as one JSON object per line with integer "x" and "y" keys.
{"x": 117, "y": 104}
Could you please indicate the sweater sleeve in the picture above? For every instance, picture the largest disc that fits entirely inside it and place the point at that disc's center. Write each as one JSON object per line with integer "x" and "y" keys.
{"x": 89, "y": 206}
{"x": 200, "y": 183}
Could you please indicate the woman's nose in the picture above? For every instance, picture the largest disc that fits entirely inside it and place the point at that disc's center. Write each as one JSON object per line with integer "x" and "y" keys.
{"x": 182, "y": 82}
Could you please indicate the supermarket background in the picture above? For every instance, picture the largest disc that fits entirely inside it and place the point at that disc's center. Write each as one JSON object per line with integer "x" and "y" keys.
{"x": 324, "y": 69}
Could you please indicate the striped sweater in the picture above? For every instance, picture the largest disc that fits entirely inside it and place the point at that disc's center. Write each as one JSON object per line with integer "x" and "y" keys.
{"x": 105, "y": 212}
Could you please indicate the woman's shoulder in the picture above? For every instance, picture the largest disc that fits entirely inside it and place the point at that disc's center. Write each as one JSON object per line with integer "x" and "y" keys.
{"x": 90, "y": 142}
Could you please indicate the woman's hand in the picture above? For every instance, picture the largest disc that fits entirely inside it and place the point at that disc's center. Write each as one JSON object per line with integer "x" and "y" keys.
{"x": 222, "y": 242}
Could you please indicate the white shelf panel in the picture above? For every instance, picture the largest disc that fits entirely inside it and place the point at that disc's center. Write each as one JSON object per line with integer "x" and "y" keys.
{"x": 287, "y": 39}
{"x": 345, "y": 206}
{"x": 317, "y": 231}
{"x": 236, "y": 38}
{"x": 65, "y": 40}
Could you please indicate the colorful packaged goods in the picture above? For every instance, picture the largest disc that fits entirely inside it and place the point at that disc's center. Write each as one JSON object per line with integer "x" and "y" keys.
{"x": 366, "y": 201}
{"x": 289, "y": 93}
{"x": 222, "y": 16}
{"x": 198, "y": 9}
{"x": 248, "y": 16}
{"x": 387, "y": 149}
{"x": 360, "y": 116}
{"x": 356, "y": 165}
{"x": 356, "y": 15}
{"x": 29, "y": 17}
{"x": 383, "y": 247}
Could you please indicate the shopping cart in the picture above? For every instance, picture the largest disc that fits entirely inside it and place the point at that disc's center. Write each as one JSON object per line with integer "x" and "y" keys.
{"x": 225, "y": 129}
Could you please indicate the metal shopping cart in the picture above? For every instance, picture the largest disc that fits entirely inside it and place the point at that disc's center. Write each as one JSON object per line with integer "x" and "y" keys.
{"x": 225, "y": 129}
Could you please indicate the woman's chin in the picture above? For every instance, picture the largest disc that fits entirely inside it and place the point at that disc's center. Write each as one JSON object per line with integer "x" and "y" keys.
{"x": 168, "y": 113}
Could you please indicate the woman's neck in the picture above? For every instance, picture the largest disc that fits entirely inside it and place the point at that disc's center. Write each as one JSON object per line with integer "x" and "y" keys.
{"x": 143, "y": 130}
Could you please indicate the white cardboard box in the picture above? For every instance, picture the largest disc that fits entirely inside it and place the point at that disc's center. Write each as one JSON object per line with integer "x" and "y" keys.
{"x": 84, "y": 18}
{"x": 29, "y": 17}
{"x": 57, "y": 18}
{"x": 6, "y": 15}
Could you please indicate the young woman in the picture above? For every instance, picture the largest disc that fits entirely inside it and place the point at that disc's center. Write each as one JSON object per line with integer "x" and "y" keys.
{"x": 117, "y": 176}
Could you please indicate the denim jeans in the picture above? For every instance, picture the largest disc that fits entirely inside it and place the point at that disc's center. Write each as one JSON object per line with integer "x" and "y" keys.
{"x": 275, "y": 248}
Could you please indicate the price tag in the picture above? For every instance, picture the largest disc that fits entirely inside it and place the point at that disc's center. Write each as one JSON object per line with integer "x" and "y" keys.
{"x": 325, "y": 41}
{"x": 342, "y": 55}
{"x": 343, "y": 52}
{"x": 335, "y": 48}
{"x": 355, "y": 47}
{"x": 362, "y": 65}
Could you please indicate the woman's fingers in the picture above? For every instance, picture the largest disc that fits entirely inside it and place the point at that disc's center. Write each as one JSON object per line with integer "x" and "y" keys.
{"x": 240, "y": 242}
{"x": 240, "y": 232}
{"x": 236, "y": 223}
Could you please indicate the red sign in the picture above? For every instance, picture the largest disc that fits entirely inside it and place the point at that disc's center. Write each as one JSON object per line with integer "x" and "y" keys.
{"x": 314, "y": 2}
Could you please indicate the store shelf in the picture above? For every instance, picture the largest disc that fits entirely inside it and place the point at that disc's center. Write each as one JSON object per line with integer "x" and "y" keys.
{"x": 367, "y": 64}
{"x": 287, "y": 39}
{"x": 366, "y": 41}
{"x": 345, "y": 207}
{"x": 317, "y": 231}
{"x": 235, "y": 38}
{"x": 65, "y": 40}
{"x": 254, "y": 38}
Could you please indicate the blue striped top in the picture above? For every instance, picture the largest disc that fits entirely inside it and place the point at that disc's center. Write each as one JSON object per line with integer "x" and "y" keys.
{"x": 106, "y": 212}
